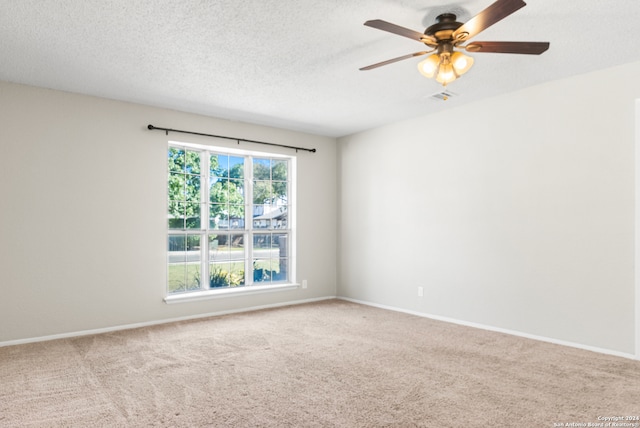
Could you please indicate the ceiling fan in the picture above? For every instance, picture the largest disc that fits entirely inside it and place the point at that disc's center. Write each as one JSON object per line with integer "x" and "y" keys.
{"x": 446, "y": 63}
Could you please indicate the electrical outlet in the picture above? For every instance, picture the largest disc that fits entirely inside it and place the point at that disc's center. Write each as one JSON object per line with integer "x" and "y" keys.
{"x": 420, "y": 291}
{"x": 304, "y": 283}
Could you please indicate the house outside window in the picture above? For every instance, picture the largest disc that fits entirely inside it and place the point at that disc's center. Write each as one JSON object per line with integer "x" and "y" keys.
{"x": 229, "y": 219}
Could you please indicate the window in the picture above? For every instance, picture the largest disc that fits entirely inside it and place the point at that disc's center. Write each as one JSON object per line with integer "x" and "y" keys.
{"x": 229, "y": 219}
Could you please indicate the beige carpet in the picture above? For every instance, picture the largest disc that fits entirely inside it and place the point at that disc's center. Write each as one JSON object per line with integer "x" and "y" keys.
{"x": 327, "y": 364}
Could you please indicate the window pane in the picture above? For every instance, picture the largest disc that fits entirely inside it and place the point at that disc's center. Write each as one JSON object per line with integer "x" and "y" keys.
{"x": 262, "y": 192}
{"x": 280, "y": 269}
{"x": 177, "y": 246}
{"x": 176, "y": 187}
{"x": 226, "y": 260}
{"x": 261, "y": 169}
{"x": 176, "y": 223}
{"x": 262, "y": 270}
{"x": 176, "y": 160}
{"x": 269, "y": 270}
{"x": 219, "y": 275}
{"x": 176, "y": 215}
{"x": 262, "y": 241}
{"x": 193, "y": 248}
{"x": 279, "y": 170}
{"x": 192, "y": 188}
{"x": 263, "y": 246}
{"x": 183, "y": 263}
{"x": 192, "y": 215}
{"x": 279, "y": 241}
{"x": 280, "y": 220}
{"x": 236, "y": 167}
{"x": 236, "y": 277}
{"x": 218, "y": 216}
{"x": 271, "y": 257}
{"x": 192, "y": 162}
{"x": 236, "y": 216}
{"x": 177, "y": 274}
{"x": 280, "y": 194}
{"x": 193, "y": 256}
{"x": 219, "y": 247}
{"x": 219, "y": 190}
{"x": 219, "y": 166}
{"x": 236, "y": 191}
{"x": 214, "y": 242}
{"x": 236, "y": 247}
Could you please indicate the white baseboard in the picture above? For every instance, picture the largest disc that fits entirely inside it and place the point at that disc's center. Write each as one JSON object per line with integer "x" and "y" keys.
{"x": 158, "y": 322}
{"x": 498, "y": 329}
{"x": 318, "y": 299}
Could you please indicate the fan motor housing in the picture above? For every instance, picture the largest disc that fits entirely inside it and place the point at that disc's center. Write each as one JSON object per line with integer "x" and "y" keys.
{"x": 444, "y": 27}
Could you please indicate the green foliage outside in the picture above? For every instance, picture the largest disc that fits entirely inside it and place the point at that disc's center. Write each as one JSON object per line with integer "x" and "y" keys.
{"x": 186, "y": 277}
{"x": 219, "y": 277}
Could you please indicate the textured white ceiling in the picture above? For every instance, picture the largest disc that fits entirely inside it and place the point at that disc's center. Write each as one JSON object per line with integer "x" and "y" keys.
{"x": 294, "y": 63}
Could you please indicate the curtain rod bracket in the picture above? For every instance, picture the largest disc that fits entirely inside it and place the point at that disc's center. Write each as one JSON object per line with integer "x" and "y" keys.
{"x": 166, "y": 130}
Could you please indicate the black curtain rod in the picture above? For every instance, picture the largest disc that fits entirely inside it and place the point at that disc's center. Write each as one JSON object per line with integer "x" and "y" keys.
{"x": 167, "y": 130}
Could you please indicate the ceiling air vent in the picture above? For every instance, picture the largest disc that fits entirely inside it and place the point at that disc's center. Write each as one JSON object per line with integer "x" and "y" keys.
{"x": 443, "y": 96}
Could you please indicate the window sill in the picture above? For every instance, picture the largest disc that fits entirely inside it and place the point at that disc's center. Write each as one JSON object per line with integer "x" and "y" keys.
{"x": 197, "y": 296}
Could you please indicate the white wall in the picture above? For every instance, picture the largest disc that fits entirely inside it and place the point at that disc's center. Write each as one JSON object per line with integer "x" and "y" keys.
{"x": 526, "y": 224}
{"x": 637, "y": 230}
{"x": 516, "y": 212}
{"x": 82, "y": 220}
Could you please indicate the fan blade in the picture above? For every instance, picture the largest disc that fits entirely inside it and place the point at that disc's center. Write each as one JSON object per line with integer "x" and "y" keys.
{"x": 492, "y": 14}
{"x": 528, "y": 48}
{"x": 391, "y": 61}
{"x": 400, "y": 31}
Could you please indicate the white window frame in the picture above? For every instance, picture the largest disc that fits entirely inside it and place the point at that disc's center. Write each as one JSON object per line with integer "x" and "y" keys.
{"x": 249, "y": 286}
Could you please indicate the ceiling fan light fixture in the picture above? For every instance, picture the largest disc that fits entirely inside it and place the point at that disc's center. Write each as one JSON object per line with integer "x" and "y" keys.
{"x": 446, "y": 74}
{"x": 429, "y": 66}
{"x": 461, "y": 63}
{"x": 445, "y": 67}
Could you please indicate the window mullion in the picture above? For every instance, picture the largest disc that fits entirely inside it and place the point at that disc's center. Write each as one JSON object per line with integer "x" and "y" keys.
{"x": 291, "y": 242}
{"x": 204, "y": 190}
{"x": 204, "y": 219}
{"x": 249, "y": 220}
